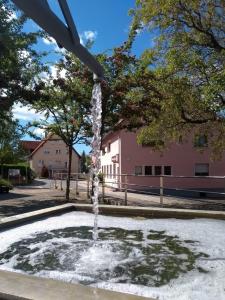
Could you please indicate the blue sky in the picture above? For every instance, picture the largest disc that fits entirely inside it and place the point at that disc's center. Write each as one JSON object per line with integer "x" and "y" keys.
{"x": 105, "y": 21}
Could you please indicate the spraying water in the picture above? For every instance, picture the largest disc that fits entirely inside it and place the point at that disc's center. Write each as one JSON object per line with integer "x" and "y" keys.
{"x": 96, "y": 113}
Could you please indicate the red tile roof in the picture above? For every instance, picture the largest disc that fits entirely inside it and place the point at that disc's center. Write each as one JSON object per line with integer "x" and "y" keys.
{"x": 30, "y": 145}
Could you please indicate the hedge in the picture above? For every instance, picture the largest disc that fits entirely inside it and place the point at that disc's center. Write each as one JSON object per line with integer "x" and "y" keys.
{"x": 24, "y": 170}
{"x": 4, "y": 182}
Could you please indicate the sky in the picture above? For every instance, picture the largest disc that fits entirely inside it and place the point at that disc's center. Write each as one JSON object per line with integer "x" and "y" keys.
{"x": 105, "y": 21}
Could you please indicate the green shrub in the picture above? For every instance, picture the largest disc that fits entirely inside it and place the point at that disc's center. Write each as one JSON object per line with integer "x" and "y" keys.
{"x": 25, "y": 170}
{"x": 4, "y": 182}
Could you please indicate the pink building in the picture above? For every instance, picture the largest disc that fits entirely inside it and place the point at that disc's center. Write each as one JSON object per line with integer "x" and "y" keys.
{"x": 122, "y": 155}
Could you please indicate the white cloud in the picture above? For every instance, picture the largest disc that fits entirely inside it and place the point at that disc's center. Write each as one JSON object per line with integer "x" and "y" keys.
{"x": 39, "y": 132}
{"x": 54, "y": 70}
{"x": 52, "y": 42}
{"x": 25, "y": 113}
{"x": 90, "y": 35}
{"x": 49, "y": 41}
{"x": 81, "y": 40}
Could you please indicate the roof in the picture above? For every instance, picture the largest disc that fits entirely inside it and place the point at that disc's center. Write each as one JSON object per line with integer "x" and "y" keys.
{"x": 29, "y": 145}
{"x": 47, "y": 139}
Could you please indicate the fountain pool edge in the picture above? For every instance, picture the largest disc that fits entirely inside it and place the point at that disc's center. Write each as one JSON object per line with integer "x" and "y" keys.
{"x": 16, "y": 286}
{"x": 127, "y": 211}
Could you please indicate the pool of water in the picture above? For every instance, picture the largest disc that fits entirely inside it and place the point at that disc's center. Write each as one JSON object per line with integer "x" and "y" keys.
{"x": 165, "y": 258}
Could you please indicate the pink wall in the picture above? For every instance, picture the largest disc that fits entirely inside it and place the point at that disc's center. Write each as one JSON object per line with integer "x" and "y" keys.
{"x": 181, "y": 157}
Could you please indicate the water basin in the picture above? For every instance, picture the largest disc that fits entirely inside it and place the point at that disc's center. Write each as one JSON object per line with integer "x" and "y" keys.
{"x": 165, "y": 258}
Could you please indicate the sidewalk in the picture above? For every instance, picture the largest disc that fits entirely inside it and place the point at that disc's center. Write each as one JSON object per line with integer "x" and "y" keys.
{"x": 39, "y": 195}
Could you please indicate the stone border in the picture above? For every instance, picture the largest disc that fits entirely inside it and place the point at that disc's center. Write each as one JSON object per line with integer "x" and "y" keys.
{"x": 16, "y": 286}
{"x": 20, "y": 219}
{"x": 126, "y": 211}
{"x": 152, "y": 212}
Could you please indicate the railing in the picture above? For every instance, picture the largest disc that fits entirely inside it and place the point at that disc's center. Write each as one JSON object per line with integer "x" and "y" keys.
{"x": 154, "y": 185}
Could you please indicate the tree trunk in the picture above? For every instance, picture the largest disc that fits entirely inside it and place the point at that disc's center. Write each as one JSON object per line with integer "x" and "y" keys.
{"x": 69, "y": 173}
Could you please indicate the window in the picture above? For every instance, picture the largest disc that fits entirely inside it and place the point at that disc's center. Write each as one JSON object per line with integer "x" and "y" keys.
{"x": 148, "y": 170}
{"x": 138, "y": 170}
{"x": 58, "y": 151}
{"x": 110, "y": 171}
{"x": 46, "y": 151}
{"x": 201, "y": 169}
{"x": 40, "y": 163}
{"x": 66, "y": 164}
{"x": 109, "y": 147}
{"x": 167, "y": 170}
{"x": 158, "y": 170}
{"x": 201, "y": 141}
{"x": 103, "y": 151}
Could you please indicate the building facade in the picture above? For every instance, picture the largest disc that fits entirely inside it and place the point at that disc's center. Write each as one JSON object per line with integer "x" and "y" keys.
{"x": 122, "y": 155}
{"x": 52, "y": 153}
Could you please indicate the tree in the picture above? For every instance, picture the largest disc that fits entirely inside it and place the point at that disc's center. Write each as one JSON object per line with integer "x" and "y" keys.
{"x": 65, "y": 102}
{"x": 186, "y": 66}
{"x": 10, "y": 135}
{"x": 19, "y": 63}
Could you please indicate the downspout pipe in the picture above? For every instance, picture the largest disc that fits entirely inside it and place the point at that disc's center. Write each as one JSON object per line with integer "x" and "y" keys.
{"x": 65, "y": 36}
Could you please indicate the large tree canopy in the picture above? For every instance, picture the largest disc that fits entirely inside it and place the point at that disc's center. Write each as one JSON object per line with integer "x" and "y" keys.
{"x": 19, "y": 62}
{"x": 186, "y": 66}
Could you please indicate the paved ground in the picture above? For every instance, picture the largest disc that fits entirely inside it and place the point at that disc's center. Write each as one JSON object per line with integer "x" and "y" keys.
{"x": 42, "y": 194}
{"x": 28, "y": 198}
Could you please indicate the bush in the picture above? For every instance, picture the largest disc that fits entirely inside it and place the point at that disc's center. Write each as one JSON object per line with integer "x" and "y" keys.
{"x": 4, "y": 182}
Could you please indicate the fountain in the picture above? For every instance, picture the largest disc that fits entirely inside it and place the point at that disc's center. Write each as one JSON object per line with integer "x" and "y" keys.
{"x": 96, "y": 113}
{"x": 159, "y": 258}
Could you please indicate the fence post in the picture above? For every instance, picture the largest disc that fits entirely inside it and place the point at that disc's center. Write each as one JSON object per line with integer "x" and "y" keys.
{"x": 103, "y": 188}
{"x": 161, "y": 190}
{"x": 55, "y": 182}
{"x": 61, "y": 183}
{"x": 125, "y": 191}
{"x": 77, "y": 193}
{"x": 88, "y": 184}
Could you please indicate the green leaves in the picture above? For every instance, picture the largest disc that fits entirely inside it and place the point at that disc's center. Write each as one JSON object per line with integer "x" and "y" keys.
{"x": 187, "y": 63}
{"x": 19, "y": 62}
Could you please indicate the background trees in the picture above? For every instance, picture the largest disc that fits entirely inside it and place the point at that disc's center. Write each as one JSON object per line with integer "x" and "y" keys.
{"x": 10, "y": 149}
{"x": 65, "y": 102}
{"x": 20, "y": 64}
{"x": 186, "y": 66}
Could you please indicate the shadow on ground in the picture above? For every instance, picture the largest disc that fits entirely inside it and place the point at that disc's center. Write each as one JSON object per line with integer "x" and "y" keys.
{"x": 12, "y": 196}
{"x": 23, "y": 207}
{"x": 37, "y": 183}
